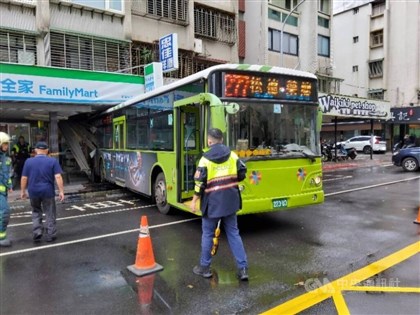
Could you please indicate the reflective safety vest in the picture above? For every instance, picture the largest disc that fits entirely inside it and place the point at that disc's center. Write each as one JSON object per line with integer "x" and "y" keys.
{"x": 5, "y": 168}
{"x": 217, "y": 184}
{"x": 21, "y": 152}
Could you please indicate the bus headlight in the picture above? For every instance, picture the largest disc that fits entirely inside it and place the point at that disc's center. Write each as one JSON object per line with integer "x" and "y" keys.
{"x": 316, "y": 181}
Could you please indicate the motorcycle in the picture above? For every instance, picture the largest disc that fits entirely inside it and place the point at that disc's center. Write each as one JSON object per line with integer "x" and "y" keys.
{"x": 326, "y": 152}
{"x": 345, "y": 154}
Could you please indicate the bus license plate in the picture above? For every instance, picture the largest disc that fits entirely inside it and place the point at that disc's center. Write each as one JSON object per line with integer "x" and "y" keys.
{"x": 280, "y": 203}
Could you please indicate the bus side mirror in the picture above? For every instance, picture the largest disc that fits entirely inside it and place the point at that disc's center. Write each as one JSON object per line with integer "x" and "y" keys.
{"x": 232, "y": 108}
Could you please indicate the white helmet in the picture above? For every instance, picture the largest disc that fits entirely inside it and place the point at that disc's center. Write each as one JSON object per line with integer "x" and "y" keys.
{"x": 4, "y": 138}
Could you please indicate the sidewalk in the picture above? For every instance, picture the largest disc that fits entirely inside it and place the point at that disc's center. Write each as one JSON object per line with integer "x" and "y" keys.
{"x": 361, "y": 160}
{"x": 76, "y": 186}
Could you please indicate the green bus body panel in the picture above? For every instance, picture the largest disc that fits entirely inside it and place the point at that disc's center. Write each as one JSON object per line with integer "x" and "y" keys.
{"x": 291, "y": 179}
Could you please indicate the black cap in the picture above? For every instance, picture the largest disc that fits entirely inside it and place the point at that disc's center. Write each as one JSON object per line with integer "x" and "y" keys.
{"x": 215, "y": 133}
{"x": 41, "y": 145}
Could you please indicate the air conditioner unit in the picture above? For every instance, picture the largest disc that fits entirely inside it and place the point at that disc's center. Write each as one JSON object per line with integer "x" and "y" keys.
{"x": 198, "y": 45}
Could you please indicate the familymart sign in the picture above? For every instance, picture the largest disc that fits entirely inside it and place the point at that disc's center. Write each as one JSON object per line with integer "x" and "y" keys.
{"x": 46, "y": 84}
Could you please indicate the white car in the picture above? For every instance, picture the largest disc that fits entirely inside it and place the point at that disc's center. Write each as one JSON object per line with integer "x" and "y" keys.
{"x": 364, "y": 143}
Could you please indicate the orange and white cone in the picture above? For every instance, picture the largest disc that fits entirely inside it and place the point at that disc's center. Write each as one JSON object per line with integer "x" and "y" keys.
{"x": 417, "y": 221}
{"x": 145, "y": 260}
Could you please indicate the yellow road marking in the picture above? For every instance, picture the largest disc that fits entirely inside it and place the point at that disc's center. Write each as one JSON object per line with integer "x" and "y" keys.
{"x": 340, "y": 304}
{"x": 385, "y": 289}
{"x": 347, "y": 282}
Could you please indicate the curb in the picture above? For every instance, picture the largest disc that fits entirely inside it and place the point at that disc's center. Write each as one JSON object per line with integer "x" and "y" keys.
{"x": 72, "y": 196}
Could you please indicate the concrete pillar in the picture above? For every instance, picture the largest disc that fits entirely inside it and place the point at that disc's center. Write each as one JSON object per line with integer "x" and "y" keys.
{"x": 43, "y": 28}
{"x": 53, "y": 132}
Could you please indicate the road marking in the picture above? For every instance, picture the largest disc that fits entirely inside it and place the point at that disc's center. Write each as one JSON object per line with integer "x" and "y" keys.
{"x": 88, "y": 214}
{"x": 372, "y": 186}
{"x": 348, "y": 283}
{"x": 32, "y": 249}
{"x": 337, "y": 178}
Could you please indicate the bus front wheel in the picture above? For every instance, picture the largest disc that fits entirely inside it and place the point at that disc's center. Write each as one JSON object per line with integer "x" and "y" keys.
{"x": 160, "y": 194}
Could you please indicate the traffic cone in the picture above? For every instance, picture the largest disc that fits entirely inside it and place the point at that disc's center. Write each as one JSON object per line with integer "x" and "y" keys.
{"x": 145, "y": 260}
{"x": 417, "y": 221}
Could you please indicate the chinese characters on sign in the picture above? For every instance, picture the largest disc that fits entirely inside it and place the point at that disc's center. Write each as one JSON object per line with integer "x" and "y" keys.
{"x": 20, "y": 87}
{"x": 405, "y": 114}
{"x": 168, "y": 52}
{"x": 255, "y": 86}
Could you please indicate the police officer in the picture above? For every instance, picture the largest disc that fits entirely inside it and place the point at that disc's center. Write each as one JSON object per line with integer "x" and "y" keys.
{"x": 5, "y": 186}
{"x": 20, "y": 153}
{"x": 216, "y": 184}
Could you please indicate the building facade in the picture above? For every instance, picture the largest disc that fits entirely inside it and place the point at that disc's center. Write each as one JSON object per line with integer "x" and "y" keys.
{"x": 376, "y": 53}
{"x": 304, "y": 28}
{"x": 102, "y": 36}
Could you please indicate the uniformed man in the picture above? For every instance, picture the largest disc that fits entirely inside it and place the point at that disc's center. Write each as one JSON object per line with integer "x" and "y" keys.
{"x": 5, "y": 187}
{"x": 216, "y": 184}
{"x": 20, "y": 153}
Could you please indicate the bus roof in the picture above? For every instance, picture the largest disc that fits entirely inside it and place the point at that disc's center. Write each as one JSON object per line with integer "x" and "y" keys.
{"x": 204, "y": 74}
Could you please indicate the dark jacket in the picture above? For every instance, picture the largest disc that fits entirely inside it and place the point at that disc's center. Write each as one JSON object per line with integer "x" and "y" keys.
{"x": 220, "y": 195}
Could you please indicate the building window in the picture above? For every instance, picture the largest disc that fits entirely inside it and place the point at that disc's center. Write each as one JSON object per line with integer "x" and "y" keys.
{"x": 328, "y": 85}
{"x": 116, "y": 5}
{"x": 281, "y": 17}
{"x": 323, "y": 46}
{"x": 376, "y": 94}
{"x": 323, "y": 22}
{"x": 214, "y": 24}
{"x": 355, "y": 39}
{"x": 355, "y": 68}
{"x": 89, "y": 53}
{"x": 324, "y": 6}
{"x": 355, "y": 10}
{"x": 175, "y": 11}
{"x": 17, "y": 47}
{"x": 171, "y": 9}
{"x": 285, "y": 4}
{"x": 375, "y": 69}
{"x": 290, "y": 42}
{"x": 377, "y": 38}
{"x": 378, "y": 8}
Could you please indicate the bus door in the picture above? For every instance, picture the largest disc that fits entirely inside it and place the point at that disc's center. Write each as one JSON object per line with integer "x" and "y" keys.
{"x": 118, "y": 144}
{"x": 190, "y": 151}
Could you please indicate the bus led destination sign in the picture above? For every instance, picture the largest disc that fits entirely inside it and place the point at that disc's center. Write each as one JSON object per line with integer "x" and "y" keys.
{"x": 269, "y": 87}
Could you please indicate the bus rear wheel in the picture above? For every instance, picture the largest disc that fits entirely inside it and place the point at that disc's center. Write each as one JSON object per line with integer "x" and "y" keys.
{"x": 160, "y": 194}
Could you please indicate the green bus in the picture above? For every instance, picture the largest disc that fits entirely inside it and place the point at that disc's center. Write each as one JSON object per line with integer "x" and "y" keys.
{"x": 151, "y": 144}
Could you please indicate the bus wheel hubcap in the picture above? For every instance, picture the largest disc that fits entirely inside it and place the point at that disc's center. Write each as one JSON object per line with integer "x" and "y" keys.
{"x": 160, "y": 193}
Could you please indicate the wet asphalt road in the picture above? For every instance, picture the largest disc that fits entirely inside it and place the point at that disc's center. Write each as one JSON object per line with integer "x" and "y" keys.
{"x": 84, "y": 271}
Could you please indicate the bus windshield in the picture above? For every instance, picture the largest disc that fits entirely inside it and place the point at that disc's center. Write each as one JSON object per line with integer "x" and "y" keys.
{"x": 273, "y": 130}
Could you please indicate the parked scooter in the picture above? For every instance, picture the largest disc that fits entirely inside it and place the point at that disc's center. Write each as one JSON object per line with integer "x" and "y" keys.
{"x": 326, "y": 152}
{"x": 345, "y": 154}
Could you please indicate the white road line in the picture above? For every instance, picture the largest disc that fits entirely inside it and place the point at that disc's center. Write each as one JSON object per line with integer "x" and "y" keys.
{"x": 88, "y": 214}
{"x": 337, "y": 178}
{"x": 161, "y": 225}
{"x": 372, "y": 186}
{"x": 32, "y": 249}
